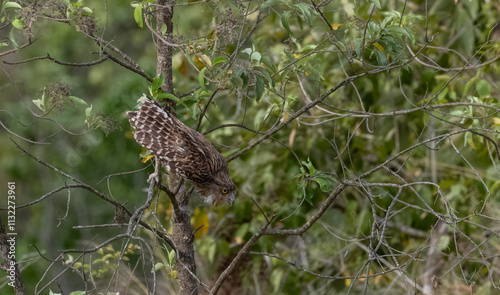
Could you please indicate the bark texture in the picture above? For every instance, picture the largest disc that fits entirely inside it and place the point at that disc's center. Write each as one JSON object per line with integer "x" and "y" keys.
{"x": 183, "y": 239}
{"x": 183, "y": 236}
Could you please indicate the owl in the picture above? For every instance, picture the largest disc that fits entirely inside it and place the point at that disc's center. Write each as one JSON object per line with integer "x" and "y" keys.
{"x": 183, "y": 151}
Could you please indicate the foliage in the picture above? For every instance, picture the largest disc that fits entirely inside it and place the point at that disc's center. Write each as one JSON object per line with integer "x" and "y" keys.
{"x": 399, "y": 104}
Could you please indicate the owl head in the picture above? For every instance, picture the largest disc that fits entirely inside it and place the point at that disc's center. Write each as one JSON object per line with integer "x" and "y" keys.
{"x": 217, "y": 193}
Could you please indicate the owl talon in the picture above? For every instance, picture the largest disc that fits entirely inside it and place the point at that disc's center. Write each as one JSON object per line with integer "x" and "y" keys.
{"x": 154, "y": 177}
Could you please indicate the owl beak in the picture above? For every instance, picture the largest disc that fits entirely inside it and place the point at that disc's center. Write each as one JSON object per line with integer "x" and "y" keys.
{"x": 232, "y": 199}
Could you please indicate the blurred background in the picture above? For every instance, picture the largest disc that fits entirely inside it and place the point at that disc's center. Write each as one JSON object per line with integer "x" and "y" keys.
{"x": 454, "y": 179}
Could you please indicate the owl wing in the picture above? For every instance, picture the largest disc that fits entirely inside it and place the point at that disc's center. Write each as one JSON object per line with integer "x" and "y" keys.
{"x": 172, "y": 142}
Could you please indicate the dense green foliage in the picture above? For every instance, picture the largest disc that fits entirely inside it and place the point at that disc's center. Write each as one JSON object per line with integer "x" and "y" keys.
{"x": 412, "y": 131}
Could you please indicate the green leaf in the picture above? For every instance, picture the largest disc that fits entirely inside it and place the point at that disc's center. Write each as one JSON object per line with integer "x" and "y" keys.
{"x": 265, "y": 74}
{"x": 145, "y": 154}
{"x": 468, "y": 139}
{"x": 13, "y": 39}
{"x": 242, "y": 230}
{"x": 138, "y": 16}
{"x": 77, "y": 293}
{"x": 163, "y": 29}
{"x": 377, "y": 3}
{"x": 77, "y": 100}
{"x": 171, "y": 257}
{"x": 219, "y": 59}
{"x": 201, "y": 78}
{"x": 442, "y": 95}
{"x": 78, "y": 3}
{"x": 18, "y": 24}
{"x": 305, "y": 11}
{"x": 483, "y": 88}
{"x": 88, "y": 116}
{"x": 270, "y": 3}
{"x": 3, "y": 44}
{"x": 315, "y": 74}
{"x": 195, "y": 111}
{"x": 444, "y": 241}
{"x": 12, "y": 5}
{"x": 204, "y": 93}
{"x": 385, "y": 22}
{"x": 471, "y": 82}
{"x": 211, "y": 251}
{"x": 87, "y": 10}
{"x": 269, "y": 65}
{"x": 325, "y": 183}
{"x": 285, "y": 17}
{"x": 398, "y": 31}
{"x": 237, "y": 82}
{"x": 245, "y": 79}
{"x": 307, "y": 48}
{"x": 259, "y": 88}
{"x": 310, "y": 167}
{"x": 381, "y": 58}
{"x": 256, "y": 56}
{"x": 159, "y": 266}
{"x": 166, "y": 95}
{"x": 359, "y": 42}
{"x": 284, "y": 73}
{"x": 308, "y": 197}
{"x": 247, "y": 51}
{"x": 157, "y": 83}
{"x": 40, "y": 104}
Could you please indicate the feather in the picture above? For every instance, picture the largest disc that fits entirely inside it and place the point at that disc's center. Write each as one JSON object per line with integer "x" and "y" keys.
{"x": 183, "y": 150}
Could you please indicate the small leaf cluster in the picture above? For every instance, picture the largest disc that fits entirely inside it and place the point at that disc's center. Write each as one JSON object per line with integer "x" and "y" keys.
{"x": 55, "y": 96}
{"x": 169, "y": 265}
{"x": 308, "y": 174}
{"x": 106, "y": 263}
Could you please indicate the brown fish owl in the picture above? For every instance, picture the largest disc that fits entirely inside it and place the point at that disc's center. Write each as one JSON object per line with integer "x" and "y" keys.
{"x": 184, "y": 152}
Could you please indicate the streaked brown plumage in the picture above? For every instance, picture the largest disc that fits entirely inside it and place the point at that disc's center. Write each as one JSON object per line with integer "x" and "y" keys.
{"x": 184, "y": 152}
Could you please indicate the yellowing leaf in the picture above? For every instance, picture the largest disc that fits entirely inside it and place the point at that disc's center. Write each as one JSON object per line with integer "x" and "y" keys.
{"x": 496, "y": 121}
{"x": 199, "y": 62}
{"x": 348, "y": 282}
{"x": 206, "y": 60}
{"x": 379, "y": 47}
{"x": 229, "y": 72}
{"x": 363, "y": 279}
{"x": 336, "y": 26}
{"x": 200, "y": 220}
{"x": 285, "y": 117}
{"x": 147, "y": 158}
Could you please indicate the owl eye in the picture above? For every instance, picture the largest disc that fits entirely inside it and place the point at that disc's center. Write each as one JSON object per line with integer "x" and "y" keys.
{"x": 224, "y": 191}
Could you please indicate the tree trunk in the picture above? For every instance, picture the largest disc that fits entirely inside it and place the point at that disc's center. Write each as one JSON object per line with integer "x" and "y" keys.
{"x": 164, "y": 15}
{"x": 183, "y": 236}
